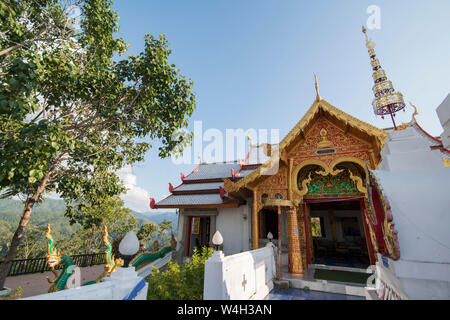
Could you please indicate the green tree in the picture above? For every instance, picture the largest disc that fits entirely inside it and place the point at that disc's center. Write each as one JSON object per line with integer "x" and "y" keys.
{"x": 180, "y": 283}
{"x": 88, "y": 239}
{"x": 164, "y": 231}
{"x": 146, "y": 232}
{"x": 72, "y": 111}
{"x": 33, "y": 243}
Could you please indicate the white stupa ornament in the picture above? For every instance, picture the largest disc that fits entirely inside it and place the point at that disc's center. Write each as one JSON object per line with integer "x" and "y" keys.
{"x": 217, "y": 238}
{"x": 129, "y": 244}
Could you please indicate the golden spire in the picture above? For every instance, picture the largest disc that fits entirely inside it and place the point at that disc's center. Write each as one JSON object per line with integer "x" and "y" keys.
{"x": 387, "y": 100}
{"x": 318, "y": 97}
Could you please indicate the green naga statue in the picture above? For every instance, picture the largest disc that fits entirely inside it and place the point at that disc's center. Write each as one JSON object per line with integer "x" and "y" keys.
{"x": 69, "y": 270}
{"x": 53, "y": 259}
{"x": 111, "y": 263}
{"x": 144, "y": 258}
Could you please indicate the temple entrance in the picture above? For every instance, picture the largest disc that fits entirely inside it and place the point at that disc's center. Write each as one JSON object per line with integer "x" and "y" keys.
{"x": 199, "y": 235}
{"x": 338, "y": 234}
{"x": 268, "y": 222}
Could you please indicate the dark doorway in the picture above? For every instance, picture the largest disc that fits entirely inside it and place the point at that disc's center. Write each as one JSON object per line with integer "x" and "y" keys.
{"x": 268, "y": 222}
{"x": 338, "y": 234}
{"x": 199, "y": 235}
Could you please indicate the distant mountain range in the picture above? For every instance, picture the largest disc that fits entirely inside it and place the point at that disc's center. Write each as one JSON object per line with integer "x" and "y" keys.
{"x": 157, "y": 217}
{"x": 49, "y": 205}
{"x": 57, "y": 206}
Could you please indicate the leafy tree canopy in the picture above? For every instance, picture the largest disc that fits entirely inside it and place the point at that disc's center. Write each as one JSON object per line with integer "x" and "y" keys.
{"x": 73, "y": 110}
{"x": 70, "y": 114}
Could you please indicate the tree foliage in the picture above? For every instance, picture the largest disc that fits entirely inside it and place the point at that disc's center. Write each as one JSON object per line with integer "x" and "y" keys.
{"x": 146, "y": 231}
{"x": 180, "y": 283}
{"x": 92, "y": 218}
{"x": 70, "y": 239}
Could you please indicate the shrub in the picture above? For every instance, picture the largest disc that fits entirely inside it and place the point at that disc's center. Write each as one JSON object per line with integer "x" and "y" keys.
{"x": 180, "y": 283}
{"x": 13, "y": 295}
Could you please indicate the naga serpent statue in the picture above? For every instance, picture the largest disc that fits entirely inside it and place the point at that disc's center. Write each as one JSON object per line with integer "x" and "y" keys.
{"x": 53, "y": 259}
{"x": 146, "y": 257}
{"x": 111, "y": 263}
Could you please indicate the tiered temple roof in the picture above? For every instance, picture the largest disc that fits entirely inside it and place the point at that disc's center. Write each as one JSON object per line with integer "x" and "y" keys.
{"x": 203, "y": 187}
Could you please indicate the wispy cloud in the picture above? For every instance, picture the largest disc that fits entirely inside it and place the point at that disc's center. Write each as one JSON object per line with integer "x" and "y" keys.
{"x": 136, "y": 198}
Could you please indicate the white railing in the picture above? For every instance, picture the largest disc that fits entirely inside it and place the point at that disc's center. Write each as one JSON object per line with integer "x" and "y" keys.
{"x": 123, "y": 284}
{"x": 147, "y": 270}
{"x": 243, "y": 276}
{"x": 387, "y": 284}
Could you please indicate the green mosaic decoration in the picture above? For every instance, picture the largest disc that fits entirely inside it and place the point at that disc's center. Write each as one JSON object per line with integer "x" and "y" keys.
{"x": 329, "y": 184}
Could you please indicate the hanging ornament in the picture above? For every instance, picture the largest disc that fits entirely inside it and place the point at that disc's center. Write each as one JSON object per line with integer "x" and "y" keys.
{"x": 387, "y": 100}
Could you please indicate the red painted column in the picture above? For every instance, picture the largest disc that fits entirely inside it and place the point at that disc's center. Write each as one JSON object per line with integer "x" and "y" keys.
{"x": 308, "y": 252}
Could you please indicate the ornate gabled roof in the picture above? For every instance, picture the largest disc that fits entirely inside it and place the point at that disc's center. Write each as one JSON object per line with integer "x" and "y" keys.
{"x": 320, "y": 106}
{"x": 323, "y": 105}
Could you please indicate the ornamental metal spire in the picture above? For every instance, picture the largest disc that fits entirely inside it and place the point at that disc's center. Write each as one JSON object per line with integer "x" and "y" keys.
{"x": 386, "y": 101}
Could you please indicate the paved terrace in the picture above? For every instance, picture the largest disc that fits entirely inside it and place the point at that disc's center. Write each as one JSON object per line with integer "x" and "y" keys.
{"x": 36, "y": 283}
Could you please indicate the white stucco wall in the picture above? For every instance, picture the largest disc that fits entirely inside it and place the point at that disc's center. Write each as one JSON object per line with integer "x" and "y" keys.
{"x": 233, "y": 225}
{"x": 243, "y": 276}
{"x": 443, "y": 112}
{"x": 420, "y": 202}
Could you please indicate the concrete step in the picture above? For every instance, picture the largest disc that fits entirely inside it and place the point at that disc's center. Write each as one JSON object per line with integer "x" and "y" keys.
{"x": 338, "y": 268}
{"x": 353, "y": 289}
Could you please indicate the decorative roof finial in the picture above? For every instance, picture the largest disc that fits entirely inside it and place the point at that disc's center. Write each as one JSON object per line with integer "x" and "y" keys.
{"x": 386, "y": 101}
{"x": 415, "y": 112}
{"x": 318, "y": 97}
{"x": 249, "y": 138}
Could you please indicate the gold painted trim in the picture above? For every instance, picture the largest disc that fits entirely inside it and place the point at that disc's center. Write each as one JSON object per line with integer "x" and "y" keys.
{"x": 326, "y": 171}
{"x": 379, "y": 134}
{"x": 446, "y": 162}
{"x": 278, "y": 203}
{"x": 294, "y": 182}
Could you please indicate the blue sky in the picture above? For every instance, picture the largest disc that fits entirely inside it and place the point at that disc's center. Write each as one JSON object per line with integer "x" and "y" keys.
{"x": 252, "y": 64}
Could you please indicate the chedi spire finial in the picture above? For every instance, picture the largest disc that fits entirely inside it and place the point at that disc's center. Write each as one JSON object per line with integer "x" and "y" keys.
{"x": 387, "y": 100}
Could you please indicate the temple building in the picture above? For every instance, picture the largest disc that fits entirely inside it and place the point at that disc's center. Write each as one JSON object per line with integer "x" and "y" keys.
{"x": 319, "y": 194}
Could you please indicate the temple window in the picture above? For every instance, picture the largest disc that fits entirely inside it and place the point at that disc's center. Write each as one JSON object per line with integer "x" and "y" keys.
{"x": 264, "y": 197}
{"x": 317, "y": 228}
